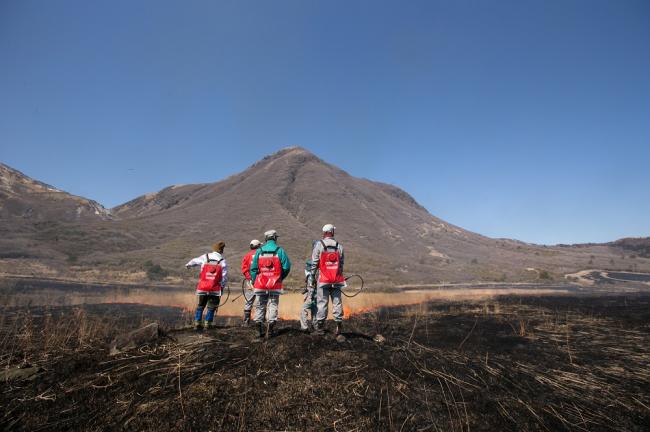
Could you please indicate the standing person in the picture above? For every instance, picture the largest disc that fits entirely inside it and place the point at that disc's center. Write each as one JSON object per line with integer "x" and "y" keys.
{"x": 327, "y": 260}
{"x": 269, "y": 267}
{"x": 212, "y": 281}
{"x": 246, "y": 271}
{"x": 309, "y": 300}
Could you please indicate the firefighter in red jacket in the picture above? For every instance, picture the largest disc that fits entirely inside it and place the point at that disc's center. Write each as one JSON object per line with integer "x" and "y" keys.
{"x": 246, "y": 271}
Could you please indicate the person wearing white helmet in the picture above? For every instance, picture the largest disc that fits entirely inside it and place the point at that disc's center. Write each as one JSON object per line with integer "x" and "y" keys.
{"x": 327, "y": 276}
{"x": 246, "y": 271}
{"x": 270, "y": 266}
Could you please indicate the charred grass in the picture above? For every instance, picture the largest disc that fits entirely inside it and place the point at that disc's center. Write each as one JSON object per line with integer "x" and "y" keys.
{"x": 512, "y": 363}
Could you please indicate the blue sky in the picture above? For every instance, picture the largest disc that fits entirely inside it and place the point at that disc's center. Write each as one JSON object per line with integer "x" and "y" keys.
{"x": 520, "y": 119}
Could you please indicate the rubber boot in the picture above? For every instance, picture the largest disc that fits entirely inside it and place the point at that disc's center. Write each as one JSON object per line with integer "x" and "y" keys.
{"x": 271, "y": 329}
{"x": 339, "y": 327}
{"x": 318, "y": 328}
{"x": 261, "y": 331}
{"x": 247, "y": 319}
{"x": 209, "y": 325}
{"x": 198, "y": 325}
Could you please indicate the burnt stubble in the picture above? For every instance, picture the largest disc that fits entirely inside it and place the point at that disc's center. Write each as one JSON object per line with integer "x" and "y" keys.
{"x": 507, "y": 363}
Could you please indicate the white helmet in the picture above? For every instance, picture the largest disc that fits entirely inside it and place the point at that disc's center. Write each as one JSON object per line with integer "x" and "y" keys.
{"x": 255, "y": 243}
{"x": 270, "y": 234}
{"x": 328, "y": 228}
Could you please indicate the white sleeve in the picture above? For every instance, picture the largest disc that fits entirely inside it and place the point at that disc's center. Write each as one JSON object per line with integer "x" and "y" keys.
{"x": 198, "y": 261}
{"x": 224, "y": 272}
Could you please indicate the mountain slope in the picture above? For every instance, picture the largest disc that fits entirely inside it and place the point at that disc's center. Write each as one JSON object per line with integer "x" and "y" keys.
{"x": 639, "y": 246}
{"x": 296, "y": 193}
{"x": 389, "y": 238}
{"x": 25, "y": 198}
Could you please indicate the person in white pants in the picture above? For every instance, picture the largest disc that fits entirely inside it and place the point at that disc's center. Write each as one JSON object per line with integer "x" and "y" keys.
{"x": 269, "y": 267}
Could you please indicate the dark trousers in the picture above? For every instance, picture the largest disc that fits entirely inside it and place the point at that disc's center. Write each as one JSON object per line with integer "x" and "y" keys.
{"x": 212, "y": 301}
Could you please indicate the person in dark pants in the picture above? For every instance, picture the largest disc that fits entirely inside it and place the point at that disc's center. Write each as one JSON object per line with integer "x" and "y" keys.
{"x": 212, "y": 281}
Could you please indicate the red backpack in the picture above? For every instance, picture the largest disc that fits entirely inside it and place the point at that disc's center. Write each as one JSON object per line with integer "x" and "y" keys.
{"x": 329, "y": 265}
{"x": 269, "y": 276}
{"x": 211, "y": 274}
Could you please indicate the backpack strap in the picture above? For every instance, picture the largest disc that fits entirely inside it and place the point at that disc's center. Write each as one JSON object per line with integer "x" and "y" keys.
{"x": 325, "y": 247}
{"x": 207, "y": 257}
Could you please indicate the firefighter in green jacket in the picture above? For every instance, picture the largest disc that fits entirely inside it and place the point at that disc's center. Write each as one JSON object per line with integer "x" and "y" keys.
{"x": 270, "y": 266}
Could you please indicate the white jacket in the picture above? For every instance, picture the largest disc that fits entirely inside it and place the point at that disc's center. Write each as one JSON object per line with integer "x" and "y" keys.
{"x": 202, "y": 260}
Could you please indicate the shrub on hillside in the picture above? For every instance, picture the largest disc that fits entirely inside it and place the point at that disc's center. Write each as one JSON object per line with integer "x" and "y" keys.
{"x": 155, "y": 271}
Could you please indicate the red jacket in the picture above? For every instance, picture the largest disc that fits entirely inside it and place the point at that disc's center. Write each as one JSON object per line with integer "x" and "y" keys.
{"x": 246, "y": 264}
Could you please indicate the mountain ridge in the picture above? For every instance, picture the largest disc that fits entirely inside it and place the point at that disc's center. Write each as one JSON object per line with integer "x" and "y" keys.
{"x": 23, "y": 196}
{"x": 389, "y": 236}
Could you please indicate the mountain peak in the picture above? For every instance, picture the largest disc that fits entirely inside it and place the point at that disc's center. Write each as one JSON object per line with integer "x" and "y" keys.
{"x": 290, "y": 155}
{"x": 292, "y": 152}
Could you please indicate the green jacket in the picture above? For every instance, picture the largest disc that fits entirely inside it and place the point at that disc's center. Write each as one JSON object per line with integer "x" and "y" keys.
{"x": 270, "y": 246}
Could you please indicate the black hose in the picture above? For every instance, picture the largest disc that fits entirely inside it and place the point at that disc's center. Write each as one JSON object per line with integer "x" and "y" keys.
{"x": 357, "y": 292}
{"x": 243, "y": 283}
{"x": 222, "y": 302}
{"x": 227, "y": 297}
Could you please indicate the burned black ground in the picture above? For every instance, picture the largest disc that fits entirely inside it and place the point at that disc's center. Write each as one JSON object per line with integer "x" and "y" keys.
{"x": 511, "y": 363}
